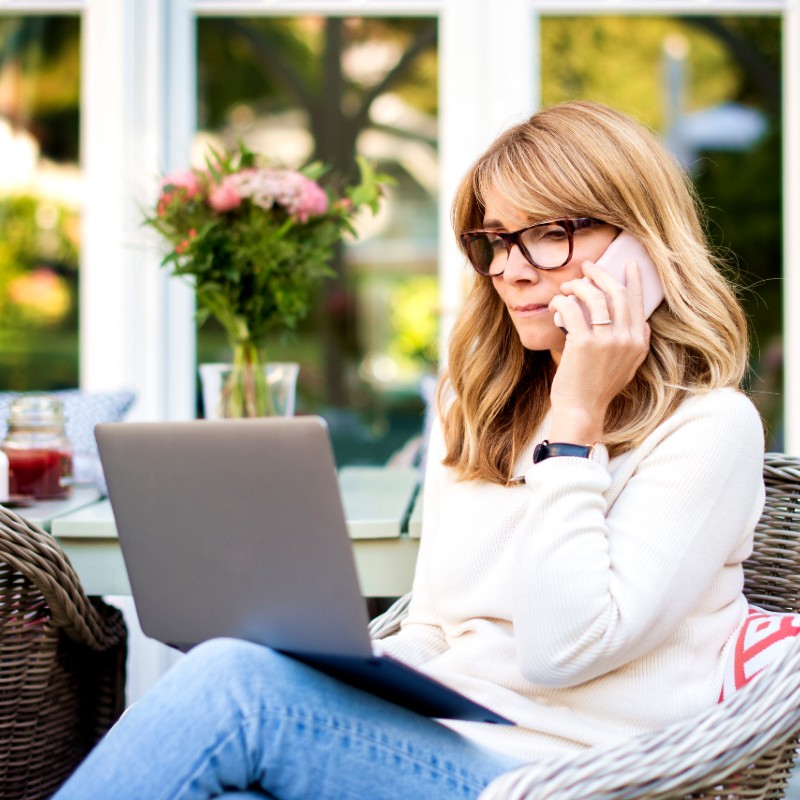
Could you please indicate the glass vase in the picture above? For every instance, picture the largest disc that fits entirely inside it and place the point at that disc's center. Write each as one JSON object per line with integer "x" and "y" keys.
{"x": 251, "y": 389}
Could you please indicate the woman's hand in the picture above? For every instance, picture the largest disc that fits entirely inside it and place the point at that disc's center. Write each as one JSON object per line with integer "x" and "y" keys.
{"x": 599, "y": 359}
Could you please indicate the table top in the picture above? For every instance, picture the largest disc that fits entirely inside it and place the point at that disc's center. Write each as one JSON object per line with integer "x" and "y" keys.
{"x": 377, "y": 500}
{"x": 44, "y": 512}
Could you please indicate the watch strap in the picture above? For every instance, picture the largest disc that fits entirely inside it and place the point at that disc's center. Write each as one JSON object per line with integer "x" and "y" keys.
{"x": 547, "y": 449}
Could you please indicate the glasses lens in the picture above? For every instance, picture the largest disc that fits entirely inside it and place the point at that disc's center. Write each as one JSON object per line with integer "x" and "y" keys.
{"x": 487, "y": 253}
{"x": 547, "y": 245}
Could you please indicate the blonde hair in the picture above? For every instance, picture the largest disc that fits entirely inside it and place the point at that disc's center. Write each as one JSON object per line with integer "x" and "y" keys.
{"x": 582, "y": 158}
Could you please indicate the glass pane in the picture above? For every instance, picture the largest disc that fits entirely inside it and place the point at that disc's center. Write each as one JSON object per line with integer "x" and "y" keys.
{"x": 40, "y": 196}
{"x": 712, "y": 87}
{"x": 310, "y": 88}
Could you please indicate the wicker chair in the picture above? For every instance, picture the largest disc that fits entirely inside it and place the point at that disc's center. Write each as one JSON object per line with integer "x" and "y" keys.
{"x": 741, "y": 748}
{"x": 62, "y": 663}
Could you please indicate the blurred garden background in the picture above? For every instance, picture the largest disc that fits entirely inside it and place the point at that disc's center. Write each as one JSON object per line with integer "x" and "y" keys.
{"x": 304, "y": 88}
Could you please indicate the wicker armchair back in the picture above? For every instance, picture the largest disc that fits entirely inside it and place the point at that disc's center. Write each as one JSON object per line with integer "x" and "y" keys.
{"x": 62, "y": 663}
{"x": 742, "y": 748}
{"x": 772, "y": 573}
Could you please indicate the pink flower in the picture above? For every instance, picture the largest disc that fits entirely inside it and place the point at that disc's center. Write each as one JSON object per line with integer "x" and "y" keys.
{"x": 224, "y": 196}
{"x": 312, "y": 200}
{"x": 184, "y": 179}
{"x": 299, "y": 196}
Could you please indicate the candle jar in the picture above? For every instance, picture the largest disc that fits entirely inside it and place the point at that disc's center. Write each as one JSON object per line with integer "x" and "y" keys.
{"x": 39, "y": 453}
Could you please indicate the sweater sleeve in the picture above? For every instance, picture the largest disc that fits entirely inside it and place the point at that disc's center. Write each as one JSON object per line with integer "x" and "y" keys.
{"x": 595, "y": 587}
{"x": 421, "y": 637}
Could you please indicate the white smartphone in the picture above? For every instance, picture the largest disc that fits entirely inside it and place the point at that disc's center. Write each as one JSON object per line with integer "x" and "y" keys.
{"x": 623, "y": 249}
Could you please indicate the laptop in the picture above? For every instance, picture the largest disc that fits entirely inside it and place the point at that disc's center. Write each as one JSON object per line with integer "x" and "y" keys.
{"x": 236, "y": 528}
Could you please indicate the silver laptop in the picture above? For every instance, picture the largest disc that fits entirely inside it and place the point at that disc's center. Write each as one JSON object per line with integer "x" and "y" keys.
{"x": 236, "y": 528}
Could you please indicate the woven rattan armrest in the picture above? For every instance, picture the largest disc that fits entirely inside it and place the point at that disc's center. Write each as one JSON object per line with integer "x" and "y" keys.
{"x": 36, "y": 555}
{"x": 62, "y": 682}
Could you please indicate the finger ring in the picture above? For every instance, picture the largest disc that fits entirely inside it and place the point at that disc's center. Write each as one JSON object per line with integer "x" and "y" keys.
{"x": 602, "y": 322}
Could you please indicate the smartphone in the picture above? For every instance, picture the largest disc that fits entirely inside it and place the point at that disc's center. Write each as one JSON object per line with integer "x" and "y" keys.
{"x": 623, "y": 249}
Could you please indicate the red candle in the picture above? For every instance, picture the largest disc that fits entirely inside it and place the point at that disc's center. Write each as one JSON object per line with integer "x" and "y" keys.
{"x": 39, "y": 473}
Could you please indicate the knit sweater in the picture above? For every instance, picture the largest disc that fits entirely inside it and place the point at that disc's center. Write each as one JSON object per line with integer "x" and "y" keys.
{"x": 590, "y": 604}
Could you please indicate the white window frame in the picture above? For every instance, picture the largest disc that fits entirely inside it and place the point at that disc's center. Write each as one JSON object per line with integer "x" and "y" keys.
{"x": 138, "y": 117}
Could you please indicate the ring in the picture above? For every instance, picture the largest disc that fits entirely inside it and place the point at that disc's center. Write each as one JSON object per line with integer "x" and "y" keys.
{"x": 602, "y": 322}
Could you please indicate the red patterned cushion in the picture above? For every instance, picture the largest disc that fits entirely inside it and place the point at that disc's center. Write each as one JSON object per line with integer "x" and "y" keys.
{"x": 763, "y": 638}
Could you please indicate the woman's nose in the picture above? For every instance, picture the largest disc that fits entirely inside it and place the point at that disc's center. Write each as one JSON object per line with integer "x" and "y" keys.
{"x": 518, "y": 268}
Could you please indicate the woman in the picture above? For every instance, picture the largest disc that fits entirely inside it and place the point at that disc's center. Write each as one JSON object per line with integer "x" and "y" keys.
{"x": 586, "y": 599}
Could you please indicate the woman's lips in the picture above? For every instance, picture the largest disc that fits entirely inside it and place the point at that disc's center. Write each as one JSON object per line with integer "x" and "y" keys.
{"x": 530, "y": 310}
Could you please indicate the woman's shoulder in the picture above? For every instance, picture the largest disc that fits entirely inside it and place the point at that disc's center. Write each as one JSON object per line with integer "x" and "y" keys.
{"x": 725, "y": 411}
{"x": 726, "y": 401}
{"x": 708, "y": 428}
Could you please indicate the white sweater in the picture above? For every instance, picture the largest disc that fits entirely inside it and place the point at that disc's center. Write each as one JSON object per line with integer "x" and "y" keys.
{"x": 590, "y": 604}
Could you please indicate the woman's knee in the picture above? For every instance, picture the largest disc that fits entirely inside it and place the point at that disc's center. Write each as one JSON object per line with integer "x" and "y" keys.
{"x": 232, "y": 663}
{"x": 247, "y": 677}
{"x": 228, "y": 656}
{"x": 226, "y": 674}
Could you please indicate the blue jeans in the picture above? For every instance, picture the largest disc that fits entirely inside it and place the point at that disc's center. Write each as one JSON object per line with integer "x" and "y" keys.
{"x": 240, "y": 720}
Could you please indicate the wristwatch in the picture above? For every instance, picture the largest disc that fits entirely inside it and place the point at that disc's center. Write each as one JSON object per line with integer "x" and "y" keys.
{"x": 594, "y": 452}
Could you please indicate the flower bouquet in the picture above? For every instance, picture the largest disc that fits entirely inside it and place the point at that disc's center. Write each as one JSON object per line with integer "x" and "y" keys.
{"x": 256, "y": 240}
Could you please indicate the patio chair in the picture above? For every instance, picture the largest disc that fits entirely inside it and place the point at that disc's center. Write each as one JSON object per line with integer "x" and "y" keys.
{"x": 62, "y": 663}
{"x": 743, "y": 747}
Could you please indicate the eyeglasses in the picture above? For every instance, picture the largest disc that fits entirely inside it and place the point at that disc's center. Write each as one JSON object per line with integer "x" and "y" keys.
{"x": 545, "y": 245}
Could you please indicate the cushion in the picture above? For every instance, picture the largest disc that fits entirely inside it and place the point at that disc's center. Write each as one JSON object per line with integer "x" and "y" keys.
{"x": 82, "y": 411}
{"x": 762, "y": 640}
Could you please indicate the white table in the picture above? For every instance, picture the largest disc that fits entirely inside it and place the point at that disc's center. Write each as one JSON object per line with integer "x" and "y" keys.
{"x": 377, "y": 503}
{"x": 44, "y": 512}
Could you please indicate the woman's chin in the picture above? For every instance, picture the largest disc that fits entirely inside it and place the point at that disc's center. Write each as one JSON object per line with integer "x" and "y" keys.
{"x": 541, "y": 337}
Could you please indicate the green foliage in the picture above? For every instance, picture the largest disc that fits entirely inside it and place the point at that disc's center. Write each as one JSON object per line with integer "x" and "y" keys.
{"x": 618, "y": 60}
{"x": 40, "y": 57}
{"x": 415, "y": 321}
{"x": 742, "y": 192}
{"x": 37, "y": 360}
{"x": 46, "y": 50}
{"x": 245, "y": 79}
{"x": 38, "y": 294}
{"x": 279, "y": 64}
{"x": 19, "y": 243}
{"x": 28, "y": 250}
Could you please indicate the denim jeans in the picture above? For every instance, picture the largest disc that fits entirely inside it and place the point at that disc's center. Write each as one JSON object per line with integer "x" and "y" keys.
{"x": 239, "y": 720}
